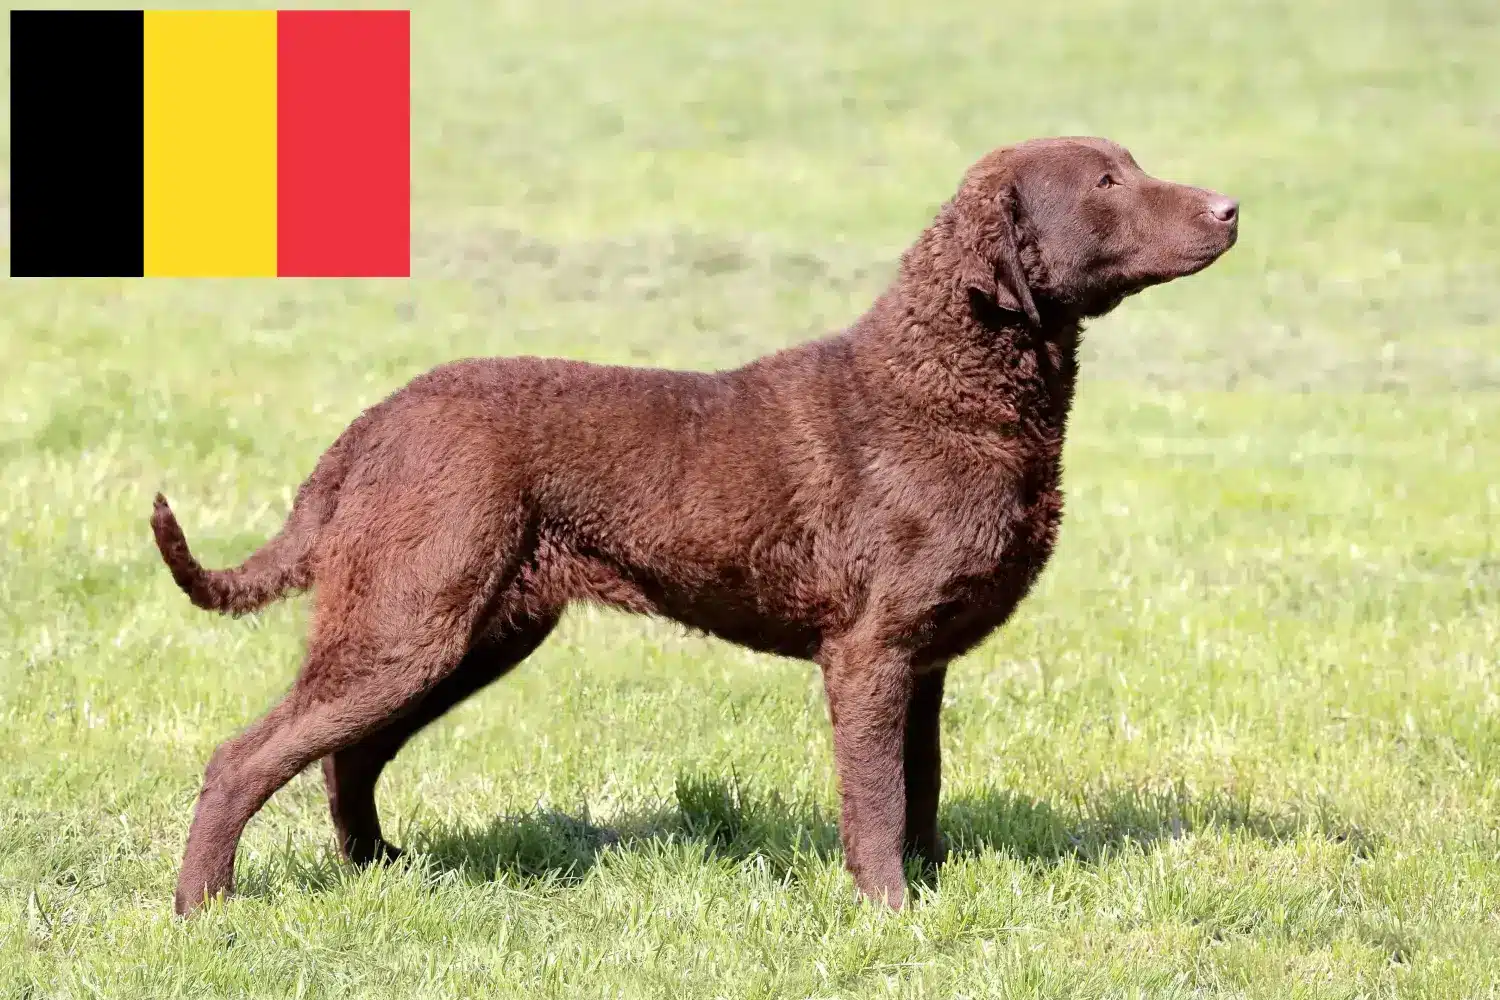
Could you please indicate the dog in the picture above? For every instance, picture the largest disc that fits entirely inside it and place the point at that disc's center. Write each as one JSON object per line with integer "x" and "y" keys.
{"x": 877, "y": 502}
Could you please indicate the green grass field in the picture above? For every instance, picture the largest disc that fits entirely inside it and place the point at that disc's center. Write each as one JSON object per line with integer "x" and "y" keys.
{"x": 1243, "y": 740}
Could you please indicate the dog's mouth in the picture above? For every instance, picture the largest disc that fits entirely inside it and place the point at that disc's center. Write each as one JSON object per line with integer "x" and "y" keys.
{"x": 1184, "y": 263}
{"x": 1199, "y": 257}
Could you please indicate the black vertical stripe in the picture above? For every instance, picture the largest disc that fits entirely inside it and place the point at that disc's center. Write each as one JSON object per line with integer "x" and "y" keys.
{"x": 76, "y": 145}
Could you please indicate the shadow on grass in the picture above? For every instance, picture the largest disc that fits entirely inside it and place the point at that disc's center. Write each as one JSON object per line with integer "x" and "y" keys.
{"x": 728, "y": 821}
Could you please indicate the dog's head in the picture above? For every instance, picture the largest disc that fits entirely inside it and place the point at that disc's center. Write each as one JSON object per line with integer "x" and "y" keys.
{"x": 1074, "y": 225}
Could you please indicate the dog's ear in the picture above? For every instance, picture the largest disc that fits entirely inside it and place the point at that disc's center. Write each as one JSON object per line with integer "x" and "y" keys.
{"x": 991, "y": 254}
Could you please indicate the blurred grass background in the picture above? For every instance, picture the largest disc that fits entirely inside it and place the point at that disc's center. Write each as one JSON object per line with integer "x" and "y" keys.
{"x": 1240, "y": 742}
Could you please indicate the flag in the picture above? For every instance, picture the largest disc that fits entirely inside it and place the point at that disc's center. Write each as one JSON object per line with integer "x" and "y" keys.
{"x": 210, "y": 143}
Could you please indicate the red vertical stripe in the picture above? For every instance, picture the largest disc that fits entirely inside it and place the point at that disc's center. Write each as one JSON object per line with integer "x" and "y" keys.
{"x": 343, "y": 99}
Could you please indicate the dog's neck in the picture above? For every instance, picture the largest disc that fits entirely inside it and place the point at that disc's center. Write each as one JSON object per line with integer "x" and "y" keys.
{"x": 930, "y": 345}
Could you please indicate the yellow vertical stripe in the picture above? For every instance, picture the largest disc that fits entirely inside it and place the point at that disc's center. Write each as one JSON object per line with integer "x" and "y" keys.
{"x": 210, "y": 137}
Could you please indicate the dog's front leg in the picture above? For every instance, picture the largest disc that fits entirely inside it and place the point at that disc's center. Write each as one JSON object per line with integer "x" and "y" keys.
{"x": 869, "y": 688}
{"x": 924, "y": 767}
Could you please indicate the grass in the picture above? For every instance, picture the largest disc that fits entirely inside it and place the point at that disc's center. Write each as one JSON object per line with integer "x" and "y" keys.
{"x": 1243, "y": 740}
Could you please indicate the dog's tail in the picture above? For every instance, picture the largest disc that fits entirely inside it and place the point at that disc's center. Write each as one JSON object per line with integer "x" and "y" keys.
{"x": 285, "y": 563}
{"x": 277, "y": 567}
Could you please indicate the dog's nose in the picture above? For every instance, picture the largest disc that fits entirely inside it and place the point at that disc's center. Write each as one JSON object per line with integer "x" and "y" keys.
{"x": 1223, "y": 208}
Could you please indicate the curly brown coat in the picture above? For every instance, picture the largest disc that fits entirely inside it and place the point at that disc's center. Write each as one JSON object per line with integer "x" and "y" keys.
{"x": 878, "y": 502}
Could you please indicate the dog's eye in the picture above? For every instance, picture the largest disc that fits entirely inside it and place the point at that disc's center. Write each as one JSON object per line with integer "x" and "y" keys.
{"x": 1107, "y": 181}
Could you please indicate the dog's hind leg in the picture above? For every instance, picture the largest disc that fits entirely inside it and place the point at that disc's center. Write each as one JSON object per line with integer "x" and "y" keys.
{"x": 307, "y": 725}
{"x": 398, "y": 606}
{"x": 350, "y": 774}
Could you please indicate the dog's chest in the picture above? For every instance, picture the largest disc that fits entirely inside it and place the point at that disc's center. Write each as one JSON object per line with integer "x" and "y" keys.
{"x": 985, "y": 583}
{"x": 1009, "y": 521}
{"x": 995, "y": 537}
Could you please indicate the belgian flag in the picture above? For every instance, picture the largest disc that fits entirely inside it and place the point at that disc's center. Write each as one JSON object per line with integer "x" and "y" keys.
{"x": 214, "y": 143}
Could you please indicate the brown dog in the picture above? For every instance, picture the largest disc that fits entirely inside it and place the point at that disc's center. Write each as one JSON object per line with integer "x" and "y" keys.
{"x": 877, "y": 502}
